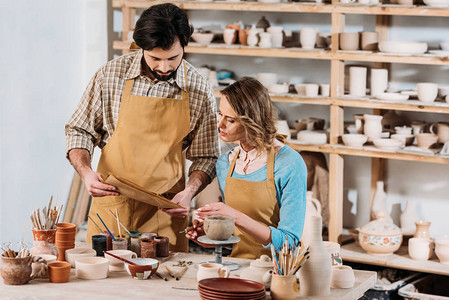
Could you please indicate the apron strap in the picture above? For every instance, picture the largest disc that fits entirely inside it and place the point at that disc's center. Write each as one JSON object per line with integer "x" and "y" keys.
{"x": 128, "y": 87}
{"x": 232, "y": 166}
{"x": 270, "y": 164}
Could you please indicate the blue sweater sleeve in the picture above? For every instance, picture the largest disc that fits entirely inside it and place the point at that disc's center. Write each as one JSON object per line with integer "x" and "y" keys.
{"x": 290, "y": 175}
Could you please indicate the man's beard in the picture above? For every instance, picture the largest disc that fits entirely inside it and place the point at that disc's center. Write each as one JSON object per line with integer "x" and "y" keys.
{"x": 163, "y": 77}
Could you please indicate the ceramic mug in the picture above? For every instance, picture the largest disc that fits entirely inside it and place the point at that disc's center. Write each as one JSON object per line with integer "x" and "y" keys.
{"x": 334, "y": 251}
{"x": 427, "y": 92}
{"x": 342, "y": 277}
{"x": 442, "y": 130}
{"x": 442, "y": 249}
{"x": 369, "y": 40}
{"x": 425, "y": 140}
{"x": 116, "y": 264}
{"x": 420, "y": 248}
{"x": 311, "y": 89}
{"x": 283, "y": 287}
{"x": 307, "y": 37}
{"x": 212, "y": 270}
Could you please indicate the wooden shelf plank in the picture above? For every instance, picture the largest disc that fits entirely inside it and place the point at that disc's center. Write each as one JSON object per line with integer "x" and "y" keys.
{"x": 400, "y": 259}
{"x": 310, "y": 7}
{"x": 410, "y": 105}
{"x": 387, "y": 58}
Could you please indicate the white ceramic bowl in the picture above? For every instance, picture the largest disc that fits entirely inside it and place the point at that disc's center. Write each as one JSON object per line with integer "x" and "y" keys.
{"x": 312, "y": 137}
{"x": 354, "y": 140}
{"x": 387, "y": 144}
{"x": 406, "y": 139}
{"x": 444, "y": 46}
{"x": 403, "y": 130}
{"x": 203, "y": 38}
{"x": 278, "y": 88}
{"x": 267, "y": 79}
{"x": 392, "y": 96}
{"x": 442, "y": 249}
{"x": 403, "y": 47}
{"x": 92, "y": 268}
{"x": 443, "y": 90}
{"x": 437, "y": 3}
{"x": 73, "y": 254}
{"x": 146, "y": 267}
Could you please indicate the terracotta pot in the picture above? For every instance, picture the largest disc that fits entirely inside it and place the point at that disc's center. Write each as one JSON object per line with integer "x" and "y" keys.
{"x": 59, "y": 272}
{"x": 66, "y": 227}
{"x": 65, "y": 236}
{"x": 219, "y": 227}
{"x": 61, "y": 256}
{"x": 16, "y": 271}
{"x": 243, "y": 36}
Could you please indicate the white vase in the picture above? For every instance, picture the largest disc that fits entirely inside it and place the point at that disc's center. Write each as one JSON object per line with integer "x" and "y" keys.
{"x": 315, "y": 274}
{"x": 408, "y": 218}
{"x": 372, "y": 127}
{"x": 313, "y": 208}
{"x": 379, "y": 81}
{"x": 357, "y": 81}
{"x": 379, "y": 206}
{"x": 252, "y": 36}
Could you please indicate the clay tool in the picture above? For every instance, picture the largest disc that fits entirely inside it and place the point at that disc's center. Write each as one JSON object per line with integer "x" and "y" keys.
{"x": 98, "y": 227}
{"x": 192, "y": 228}
{"x": 127, "y": 231}
{"x": 121, "y": 258}
{"x": 161, "y": 276}
{"x": 168, "y": 270}
{"x": 181, "y": 272}
{"x": 106, "y": 228}
{"x": 184, "y": 288}
{"x": 118, "y": 224}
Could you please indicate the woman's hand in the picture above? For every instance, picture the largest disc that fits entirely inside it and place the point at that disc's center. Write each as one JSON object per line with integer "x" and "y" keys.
{"x": 217, "y": 208}
{"x": 196, "y": 232}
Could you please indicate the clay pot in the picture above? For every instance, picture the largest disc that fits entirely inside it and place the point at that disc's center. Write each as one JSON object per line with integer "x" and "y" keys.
{"x": 219, "y": 227}
{"x": 349, "y": 41}
{"x": 243, "y": 36}
{"x": 342, "y": 277}
{"x": 212, "y": 270}
{"x": 16, "y": 271}
{"x": 66, "y": 227}
{"x": 420, "y": 248}
{"x": 369, "y": 40}
{"x": 59, "y": 272}
{"x": 162, "y": 246}
{"x": 422, "y": 230}
{"x": 426, "y": 140}
{"x": 283, "y": 287}
{"x": 92, "y": 268}
{"x": 44, "y": 242}
{"x": 263, "y": 23}
{"x": 442, "y": 250}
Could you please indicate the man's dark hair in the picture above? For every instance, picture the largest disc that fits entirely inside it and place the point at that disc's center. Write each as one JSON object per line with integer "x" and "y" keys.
{"x": 160, "y": 26}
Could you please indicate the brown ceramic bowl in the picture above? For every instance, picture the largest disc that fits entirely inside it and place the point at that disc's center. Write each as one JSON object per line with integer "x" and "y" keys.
{"x": 59, "y": 271}
{"x": 144, "y": 269}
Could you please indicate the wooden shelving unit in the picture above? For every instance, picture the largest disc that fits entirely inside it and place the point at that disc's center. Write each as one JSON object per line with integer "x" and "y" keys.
{"x": 336, "y": 102}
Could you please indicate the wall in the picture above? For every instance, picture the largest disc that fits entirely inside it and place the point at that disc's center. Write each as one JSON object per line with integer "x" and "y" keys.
{"x": 427, "y": 184}
{"x": 51, "y": 49}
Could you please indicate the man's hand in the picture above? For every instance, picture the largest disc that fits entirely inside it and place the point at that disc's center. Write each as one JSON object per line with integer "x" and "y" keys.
{"x": 182, "y": 198}
{"x": 95, "y": 187}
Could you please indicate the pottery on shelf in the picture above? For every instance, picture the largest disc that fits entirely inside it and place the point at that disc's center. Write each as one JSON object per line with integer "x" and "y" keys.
{"x": 408, "y": 218}
{"x": 379, "y": 81}
{"x": 420, "y": 248}
{"x": 313, "y": 208}
{"x": 379, "y": 204}
{"x": 349, "y": 41}
{"x": 315, "y": 274}
{"x": 258, "y": 269}
{"x": 342, "y": 277}
{"x": 263, "y": 23}
{"x": 219, "y": 227}
{"x": 253, "y": 38}
{"x": 441, "y": 129}
{"x": 380, "y": 237}
{"x": 422, "y": 229}
{"x": 442, "y": 249}
{"x": 357, "y": 81}
{"x": 307, "y": 37}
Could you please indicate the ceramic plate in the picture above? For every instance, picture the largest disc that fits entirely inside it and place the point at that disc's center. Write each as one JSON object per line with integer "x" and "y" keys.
{"x": 392, "y": 97}
{"x": 223, "y": 295}
{"x": 231, "y": 285}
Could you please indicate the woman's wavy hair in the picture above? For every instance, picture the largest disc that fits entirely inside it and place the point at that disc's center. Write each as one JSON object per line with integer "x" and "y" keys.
{"x": 250, "y": 101}
{"x": 160, "y": 26}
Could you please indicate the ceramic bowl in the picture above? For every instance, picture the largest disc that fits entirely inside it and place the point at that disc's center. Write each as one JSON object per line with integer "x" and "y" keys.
{"x": 443, "y": 91}
{"x": 442, "y": 249}
{"x": 116, "y": 264}
{"x": 203, "y": 38}
{"x": 312, "y": 137}
{"x": 379, "y": 237}
{"x": 426, "y": 140}
{"x": 301, "y": 89}
{"x": 444, "y": 46}
{"x": 92, "y": 267}
{"x": 342, "y": 277}
{"x": 73, "y": 254}
{"x": 403, "y": 130}
{"x": 437, "y": 3}
{"x": 406, "y": 139}
{"x": 144, "y": 269}
{"x": 392, "y": 96}
{"x": 278, "y": 88}
{"x": 403, "y": 47}
{"x": 354, "y": 140}
{"x": 59, "y": 271}
{"x": 218, "y": 227}
{"x": 388, "y": 144}
{"x": 267, "y": 79}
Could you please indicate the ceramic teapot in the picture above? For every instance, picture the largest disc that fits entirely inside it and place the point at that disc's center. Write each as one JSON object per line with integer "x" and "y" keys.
{"x": 259, "y": 270}
{"x": 313, "y": 208}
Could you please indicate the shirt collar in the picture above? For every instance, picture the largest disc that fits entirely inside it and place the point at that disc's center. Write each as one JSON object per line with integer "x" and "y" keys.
{"x": 136, "y": 70}
{"x": 251, "y": 154}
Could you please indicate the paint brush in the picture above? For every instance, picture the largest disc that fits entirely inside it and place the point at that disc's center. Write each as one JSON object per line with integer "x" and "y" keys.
{"x": 181, "y": 272}
{"x": 121, "y": 258}
{"x": 161, "y": 276}
{"x": 106, "y": 228}
{"x": 169, "y": 272}
{"x": 127, "y": 231}
{"x": 98, "y": 227}
{"x": 118, "y": 223}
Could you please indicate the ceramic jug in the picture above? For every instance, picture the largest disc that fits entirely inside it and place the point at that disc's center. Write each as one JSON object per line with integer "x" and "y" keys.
{"x": 373, "y": 126}
{"x": 408, "y": 218}
{"x": 16, "y": 271}
{"x": 315, "y": 274}
{"x": 313, "y": 208}
{"x": 44, "y": 242}
{"x": 265, "y": 40}
{"x": 252, "y": 36}
{"x": 380, "y": 203}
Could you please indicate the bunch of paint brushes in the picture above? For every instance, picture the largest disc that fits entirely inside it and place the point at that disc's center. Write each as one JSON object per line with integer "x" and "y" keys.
{"x": 48, "y": 218}
{"x": 288, "y": 259}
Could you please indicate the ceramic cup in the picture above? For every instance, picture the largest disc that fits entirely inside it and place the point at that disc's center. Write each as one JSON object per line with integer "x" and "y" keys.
{"x": 357, "y": 81}
{"x": 427, "y": 92}
{"x": 334, "y": 251}
{"x": 116, "y": 265}
{"x": 229, "y": 36}
{"x": 307, "y": 37}
{"x": 379, "y": 81}
{"x": 283, "y": 287}
{"x": 420, "y": 248}
{"x": 73, "y": 254}
{"x": 442, "y": 130}
{"x": 212, "y": 270}
{"x": 425, "y": 140}
{"x": 418, "y": 127}
{"x": 59, "y": 271}
{"x": 325, "y": 89}
{"x": 442, "y": 249}
{"x": 349, "y": 41}
{"x": 342, "y": 277}
{"x": 369, "y": 40}
{"x": 311, "y": 90}
{"x": 120, "y": 244}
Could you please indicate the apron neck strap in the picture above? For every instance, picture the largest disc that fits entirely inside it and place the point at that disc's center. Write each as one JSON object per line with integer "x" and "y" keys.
{"x": 270, "y": 163}
{"x": 128, "y": 87}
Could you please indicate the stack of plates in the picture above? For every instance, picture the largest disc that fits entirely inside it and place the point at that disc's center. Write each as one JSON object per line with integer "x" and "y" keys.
{"x": 230, "y": 288}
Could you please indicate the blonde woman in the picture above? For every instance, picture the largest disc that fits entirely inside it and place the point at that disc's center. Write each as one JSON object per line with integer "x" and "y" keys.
{"x": 263, "y": 181}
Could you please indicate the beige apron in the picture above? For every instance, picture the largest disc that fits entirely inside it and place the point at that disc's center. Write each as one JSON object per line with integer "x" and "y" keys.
{"x": 145, "y": 148}
{"x": 256, "y": 199}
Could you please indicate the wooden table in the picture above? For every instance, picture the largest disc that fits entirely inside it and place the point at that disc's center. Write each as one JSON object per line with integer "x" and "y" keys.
{"x": 120, "y": 285}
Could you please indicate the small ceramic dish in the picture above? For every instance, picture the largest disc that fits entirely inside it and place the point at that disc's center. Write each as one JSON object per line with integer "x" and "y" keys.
{"x": 410, "y": 93}
{"x": 278, "y": 88}
{"x": 73, "y": 254}
{"x": 402, "y": 47}
{"x": 144, "y": 269}
{"x": 392, "y": 96}
{"x": 92, "y": 267}
{"x": 403, "y": 130}
{"x": 387, "y": 144}
{"x": 203, "y": 38}
{"x": 354, "y": 140}
{"x": 437, "y": 3}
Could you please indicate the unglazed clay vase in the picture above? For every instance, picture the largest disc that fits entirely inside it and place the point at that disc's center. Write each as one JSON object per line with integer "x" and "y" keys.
{"x": 313, "y": 208}
{"x": 17, "y": 271}
{"x": 265, "y": 40}
{"x": 379, "y": 81}
{"x": 315, "y": 274}
{"x": 219, "y": 227}
{"x": 408, "y": 218}
{"x": 243, "y": 36}
{"x": 283, "y": 287}
{"x": 422, "y": 230}
{"x": 229, "y": 36}
{"x": 253, "y": 38}
{"x": 372, "y": 127}
{"x": 380, "y": 202}
{"x": 357, "y": 81}
{"x": 263, "y": 23}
